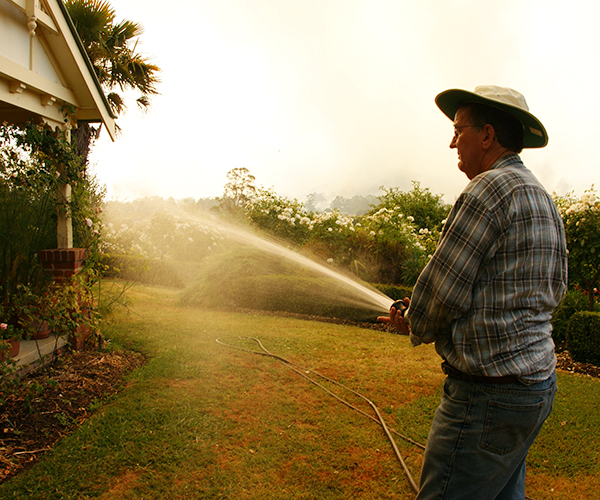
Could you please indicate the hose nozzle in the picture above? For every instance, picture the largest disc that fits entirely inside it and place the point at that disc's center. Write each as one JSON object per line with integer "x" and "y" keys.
{"x": 399, "y": 305}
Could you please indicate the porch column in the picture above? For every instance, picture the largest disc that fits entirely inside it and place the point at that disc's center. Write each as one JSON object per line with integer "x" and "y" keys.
{"x": 64, "y": 226}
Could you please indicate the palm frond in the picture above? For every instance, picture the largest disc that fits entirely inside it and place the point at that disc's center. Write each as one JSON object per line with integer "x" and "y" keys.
{"x": 112, "y": 49}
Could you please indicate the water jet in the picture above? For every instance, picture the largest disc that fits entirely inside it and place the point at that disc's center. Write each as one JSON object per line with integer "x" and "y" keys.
{"x": 241, "y": 250}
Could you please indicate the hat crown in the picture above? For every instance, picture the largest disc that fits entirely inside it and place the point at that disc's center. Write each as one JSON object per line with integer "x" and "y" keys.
{"x": 502, "y": 95}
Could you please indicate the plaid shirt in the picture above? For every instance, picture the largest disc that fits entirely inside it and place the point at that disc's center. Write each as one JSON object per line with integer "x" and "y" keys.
{"x": 487, "y": 295}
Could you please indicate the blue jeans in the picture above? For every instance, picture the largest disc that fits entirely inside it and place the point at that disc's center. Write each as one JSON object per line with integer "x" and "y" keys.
{"x": 480, "y": 437}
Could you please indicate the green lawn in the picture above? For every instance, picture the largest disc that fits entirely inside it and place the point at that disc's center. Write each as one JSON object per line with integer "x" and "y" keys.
{"x": 201, "y": 420}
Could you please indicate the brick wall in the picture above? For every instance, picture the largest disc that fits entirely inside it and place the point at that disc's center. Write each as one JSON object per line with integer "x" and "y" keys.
{"x": 63, "y": 263}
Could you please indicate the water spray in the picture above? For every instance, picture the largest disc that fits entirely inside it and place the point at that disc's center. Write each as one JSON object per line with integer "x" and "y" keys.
{"x": 378, "y": 301}
{"x": 343, "y": 289}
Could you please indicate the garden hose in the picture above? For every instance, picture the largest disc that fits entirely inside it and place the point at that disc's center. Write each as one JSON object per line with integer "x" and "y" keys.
{"x": 303, "y": 373}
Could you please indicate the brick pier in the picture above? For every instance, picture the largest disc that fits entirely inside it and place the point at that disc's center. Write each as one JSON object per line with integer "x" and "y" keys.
{"x": 63, "y": 263}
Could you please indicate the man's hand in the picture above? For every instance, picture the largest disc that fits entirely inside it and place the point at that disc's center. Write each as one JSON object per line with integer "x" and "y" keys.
{"x": 396, "y": 317}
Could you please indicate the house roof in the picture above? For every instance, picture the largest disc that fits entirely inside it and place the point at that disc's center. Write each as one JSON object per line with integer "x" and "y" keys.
{"x": 44, "y": 69}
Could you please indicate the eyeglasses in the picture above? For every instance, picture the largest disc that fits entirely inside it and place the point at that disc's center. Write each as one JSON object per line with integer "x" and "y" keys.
{"x": 458, "y": 127}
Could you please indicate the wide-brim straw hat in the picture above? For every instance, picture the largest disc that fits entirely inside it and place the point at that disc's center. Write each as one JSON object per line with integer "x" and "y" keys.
{"x": 508, "y": 100}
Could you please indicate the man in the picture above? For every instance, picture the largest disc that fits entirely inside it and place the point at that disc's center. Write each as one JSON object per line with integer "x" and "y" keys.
{"x": 486, "y": 298}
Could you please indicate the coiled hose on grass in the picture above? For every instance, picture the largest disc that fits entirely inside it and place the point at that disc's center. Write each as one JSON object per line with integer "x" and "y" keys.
{"x": 303, "y": 373}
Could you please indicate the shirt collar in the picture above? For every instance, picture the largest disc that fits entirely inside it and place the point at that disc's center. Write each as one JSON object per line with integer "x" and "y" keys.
{"x": 507, "y": 160}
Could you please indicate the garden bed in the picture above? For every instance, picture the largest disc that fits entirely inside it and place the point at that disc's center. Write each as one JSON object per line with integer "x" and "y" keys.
{"x": 71, "y": 391}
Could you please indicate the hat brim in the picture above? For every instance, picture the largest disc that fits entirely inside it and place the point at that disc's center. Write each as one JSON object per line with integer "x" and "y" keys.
{"x": 534, "y": 133}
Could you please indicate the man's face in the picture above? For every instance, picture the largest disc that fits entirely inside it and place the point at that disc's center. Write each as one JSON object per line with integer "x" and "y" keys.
{"x": 467, "y": 141}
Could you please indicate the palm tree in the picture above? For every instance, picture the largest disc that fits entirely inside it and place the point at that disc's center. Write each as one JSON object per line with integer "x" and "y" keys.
{"x": 111, "y": 47}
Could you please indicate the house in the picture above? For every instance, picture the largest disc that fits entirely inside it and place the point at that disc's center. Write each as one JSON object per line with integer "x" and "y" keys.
{"x": 46, "y": 77}
{"x": 43, "y": 67}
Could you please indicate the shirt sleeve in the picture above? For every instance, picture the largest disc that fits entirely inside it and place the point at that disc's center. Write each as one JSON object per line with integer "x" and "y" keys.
{"x": 444, "y": 289}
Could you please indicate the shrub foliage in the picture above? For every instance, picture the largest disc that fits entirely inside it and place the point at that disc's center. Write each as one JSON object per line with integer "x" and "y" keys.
{"x": 583, "y": 337}
{"x": 34, "y": 162}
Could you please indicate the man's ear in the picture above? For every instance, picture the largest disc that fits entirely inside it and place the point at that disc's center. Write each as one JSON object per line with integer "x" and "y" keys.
{"x": 489, "y": 137}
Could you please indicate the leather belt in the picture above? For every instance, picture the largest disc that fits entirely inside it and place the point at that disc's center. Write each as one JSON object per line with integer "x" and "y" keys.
{"x": 449, "y": 370}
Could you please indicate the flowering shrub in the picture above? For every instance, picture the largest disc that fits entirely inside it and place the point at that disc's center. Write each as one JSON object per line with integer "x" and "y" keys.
{"x": 154, "y": 230}
{"x": 7, "y": 330}
{"x": 336, "y": 238}
{"x": 384, "y": 245}
{"x": 278, "y": 216}
{"x": 581, "y": 217}
{"x": 427, "y": 210}
{"x": 395, "y": 242}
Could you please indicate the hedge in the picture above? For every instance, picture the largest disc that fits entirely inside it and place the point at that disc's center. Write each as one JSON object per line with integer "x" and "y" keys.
{"x": 394, "y": 292}
{"x": 583, "y": 337}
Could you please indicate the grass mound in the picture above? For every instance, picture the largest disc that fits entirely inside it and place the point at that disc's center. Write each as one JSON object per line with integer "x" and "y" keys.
{"x": 244, "y": 277}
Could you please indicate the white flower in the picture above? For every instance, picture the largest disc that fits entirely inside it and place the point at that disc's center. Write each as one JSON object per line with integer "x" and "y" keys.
{"x": 89, "y": 222}
{"x": 589, "y": 198}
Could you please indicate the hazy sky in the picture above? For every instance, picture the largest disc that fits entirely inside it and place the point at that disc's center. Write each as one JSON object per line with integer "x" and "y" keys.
{"x": 337, "y": 96}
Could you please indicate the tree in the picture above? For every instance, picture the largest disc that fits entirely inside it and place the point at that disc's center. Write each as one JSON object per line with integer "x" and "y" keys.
{"x": 357, "y": 205}
{"x": 111, "y": 47}
{"x": 238, "y": 191}
{"x": 314, "y": 202}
